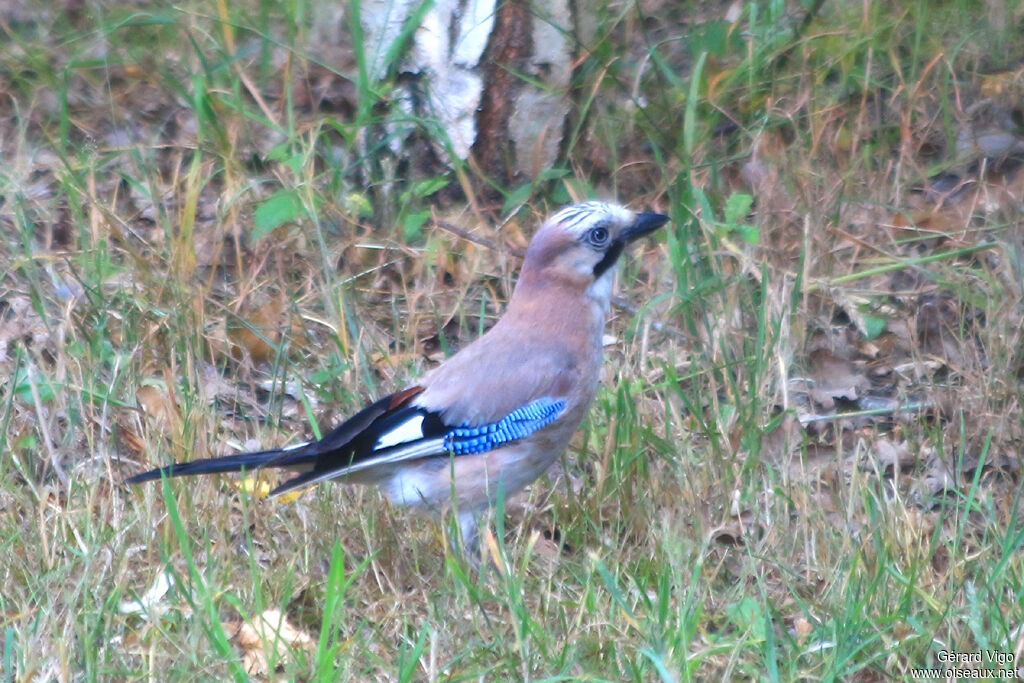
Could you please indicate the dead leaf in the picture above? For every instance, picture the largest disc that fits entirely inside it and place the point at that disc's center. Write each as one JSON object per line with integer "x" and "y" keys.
{"x": 893, "y": 458}
{"x": 763, "y": 176}
{"x": 801, "y": 629}
{"x": 944, "y": 329}
{"x": 150, "y": 600}
{"x": 270, "y": 628}
{"x": 259, "y": 487}
{"x": 939, "y": 477}
{"x": 742, "y": 529}
{"x": 157, "y": 402}
{"x": 736, "y": 534}
{"x": 544, "y": 548}
{"x": 941, "y": 560}
{"x": 782, "y": 443}
{"x": 259, "y": 334}
{"x": 1002, "y": 82}
{"x": 835, "y": 377}
{"x": 20, "y": 322}
{"x": 126, "y": 434}
{"x": 729, "y": 534}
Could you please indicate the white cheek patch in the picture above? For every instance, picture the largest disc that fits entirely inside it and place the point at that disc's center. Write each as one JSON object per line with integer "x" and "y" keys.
{"x": 601, "y": 288}
{"x": 585, "y": 261}
{"x": 410, "y": 430}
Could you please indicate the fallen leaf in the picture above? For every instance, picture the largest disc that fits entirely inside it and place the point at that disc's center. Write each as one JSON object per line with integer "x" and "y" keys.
{"x": 270, "y": 628}
{"x": 1004, "y": 81}
{"x": 157, "y": 402}
{"x": 149, "y": 601}
{"x": 545, "y": 548}
{"x": 835, "y": 377}
{"x": 939, "y": 478}
{"x": 259, "y": 487}
{"x": 259, "y": 334}
{"x": 893, "y": 458}
{"x": 728, "y": 534}
{"x": 801, "y": 629}
{"x": 256, "y": 487}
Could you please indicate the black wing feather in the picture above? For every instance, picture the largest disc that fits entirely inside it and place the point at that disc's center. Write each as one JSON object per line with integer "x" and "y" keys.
{"x": 349, "y": 443}
{"x": 276, "y": 457}
{"x": 363, "y": 446}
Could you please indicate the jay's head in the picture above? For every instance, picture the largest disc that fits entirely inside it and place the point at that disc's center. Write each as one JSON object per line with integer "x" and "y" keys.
{"x": 580, "y": 245}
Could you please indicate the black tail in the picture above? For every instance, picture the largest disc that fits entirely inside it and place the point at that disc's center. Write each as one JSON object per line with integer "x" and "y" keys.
{"x": 355, "y": 439}
{"x": 298, "y": 458}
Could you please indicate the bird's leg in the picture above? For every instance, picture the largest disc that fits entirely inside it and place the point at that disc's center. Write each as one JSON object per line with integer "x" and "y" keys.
{"x": 469, "y": 530}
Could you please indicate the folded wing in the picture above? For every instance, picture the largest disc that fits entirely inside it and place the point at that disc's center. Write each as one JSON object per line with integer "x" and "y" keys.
{"x": 391, "y": 430}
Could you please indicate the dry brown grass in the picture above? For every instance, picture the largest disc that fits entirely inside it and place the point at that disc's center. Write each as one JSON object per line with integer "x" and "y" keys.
{"x": 804, "y": 462}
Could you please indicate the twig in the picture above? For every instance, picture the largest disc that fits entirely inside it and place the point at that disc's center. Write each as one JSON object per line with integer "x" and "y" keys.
{"x": 886, "y": 410}
{"x": 482, "y": 241}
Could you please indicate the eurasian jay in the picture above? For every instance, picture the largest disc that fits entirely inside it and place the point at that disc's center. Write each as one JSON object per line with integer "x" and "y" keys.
{"x": 501, "y": 410}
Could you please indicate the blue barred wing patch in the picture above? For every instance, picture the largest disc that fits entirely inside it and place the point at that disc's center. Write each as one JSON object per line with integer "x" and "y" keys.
{"x": 518, "y": 424}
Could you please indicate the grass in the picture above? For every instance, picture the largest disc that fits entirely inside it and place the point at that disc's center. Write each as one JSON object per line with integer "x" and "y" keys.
{"x": 203, "y": 257}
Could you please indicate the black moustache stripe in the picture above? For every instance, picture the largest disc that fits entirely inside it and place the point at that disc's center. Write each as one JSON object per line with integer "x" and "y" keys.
{"x": 610, "y": 257}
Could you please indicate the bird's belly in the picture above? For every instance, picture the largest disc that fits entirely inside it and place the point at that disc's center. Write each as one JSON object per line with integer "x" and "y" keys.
{"x": 477, "y": 477}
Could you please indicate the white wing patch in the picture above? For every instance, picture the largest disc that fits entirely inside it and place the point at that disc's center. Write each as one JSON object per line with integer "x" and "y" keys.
{"x": 295, "y": 446}
{"x": 410, "y": 430}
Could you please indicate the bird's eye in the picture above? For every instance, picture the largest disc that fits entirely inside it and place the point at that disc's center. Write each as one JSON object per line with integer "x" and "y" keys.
{"x": 598, "y": 236}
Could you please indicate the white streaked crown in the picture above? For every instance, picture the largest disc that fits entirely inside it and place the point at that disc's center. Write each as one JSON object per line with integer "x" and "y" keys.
{"x": 581, "y": 217}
